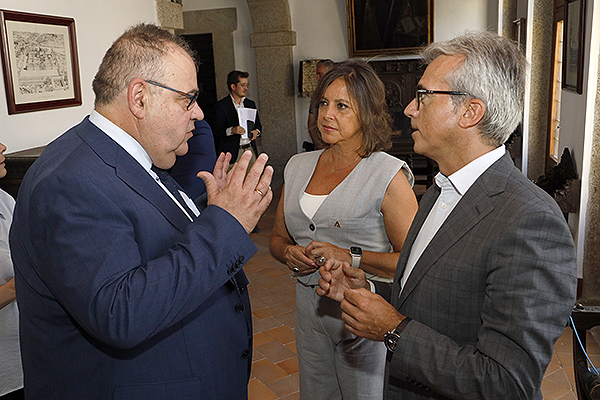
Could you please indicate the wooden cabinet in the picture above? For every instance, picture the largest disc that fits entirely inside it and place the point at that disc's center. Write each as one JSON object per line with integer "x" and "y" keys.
{"x": 400, "y": 78}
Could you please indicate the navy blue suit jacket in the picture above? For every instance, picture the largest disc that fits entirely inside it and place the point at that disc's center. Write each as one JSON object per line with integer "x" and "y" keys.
{"x": 226, "y": 117}
{"x": 120, "y": 295}
{"x": 201, "y": 156}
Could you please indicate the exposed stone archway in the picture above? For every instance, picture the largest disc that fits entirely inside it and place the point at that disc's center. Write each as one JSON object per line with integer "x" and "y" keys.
{"x": 272, "y": 39}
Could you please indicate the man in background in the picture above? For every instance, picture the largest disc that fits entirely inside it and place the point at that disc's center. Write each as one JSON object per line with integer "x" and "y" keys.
{"x": 128, "y": 289}
{"x": 230, "y": 136}
{"x": 486, "y": 279}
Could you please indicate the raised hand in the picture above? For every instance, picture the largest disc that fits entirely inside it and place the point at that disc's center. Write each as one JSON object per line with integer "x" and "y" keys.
{"x": 316, "y": 250}
{"x": 337, "y": 277}
{"x": 245, "y": 196}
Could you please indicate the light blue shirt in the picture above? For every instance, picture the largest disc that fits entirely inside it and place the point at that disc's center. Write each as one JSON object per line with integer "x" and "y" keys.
{"x": 135, "y": 150}
{"x": 452, "y": 188}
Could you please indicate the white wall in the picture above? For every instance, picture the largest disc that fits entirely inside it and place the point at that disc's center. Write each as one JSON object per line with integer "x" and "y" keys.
{"x": 98, "y": 24}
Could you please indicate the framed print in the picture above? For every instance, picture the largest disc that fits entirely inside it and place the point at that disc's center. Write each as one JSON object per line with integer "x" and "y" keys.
{"x": 39, "y": 61}
{"x": 574, "y": 33}
{"x": 388, "y": 26}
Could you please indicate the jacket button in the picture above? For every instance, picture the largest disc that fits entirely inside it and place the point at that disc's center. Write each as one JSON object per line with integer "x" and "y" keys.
{"x": 241, "y": 259}
{"x": 230, "y": 270}
{"x": 246, "y": 354}
{"x": 311, "y": 227}
{"x": 239, "y": 307}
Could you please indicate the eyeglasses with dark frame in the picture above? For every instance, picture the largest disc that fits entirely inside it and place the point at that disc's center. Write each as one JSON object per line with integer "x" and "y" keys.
{"x": 192, "y": 96}
{"x": 422, "y": 92}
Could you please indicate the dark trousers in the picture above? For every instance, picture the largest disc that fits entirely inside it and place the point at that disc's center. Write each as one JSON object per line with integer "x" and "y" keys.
{"x": 16, "y": 395}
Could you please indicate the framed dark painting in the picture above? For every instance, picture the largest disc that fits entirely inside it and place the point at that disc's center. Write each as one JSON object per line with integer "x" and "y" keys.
{"x": 573, "y": 44}
{"x": 388, "y": 26}
{"x": 39, "y": 61}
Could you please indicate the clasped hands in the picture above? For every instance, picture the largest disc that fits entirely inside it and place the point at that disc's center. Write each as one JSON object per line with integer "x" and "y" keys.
{"x": 365, "y": 314}
{"x": 245, "y": 196}
{"x": 308, "y": 259}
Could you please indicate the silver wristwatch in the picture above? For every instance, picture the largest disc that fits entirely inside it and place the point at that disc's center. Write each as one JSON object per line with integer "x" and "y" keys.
{"x": 356, "y": 254}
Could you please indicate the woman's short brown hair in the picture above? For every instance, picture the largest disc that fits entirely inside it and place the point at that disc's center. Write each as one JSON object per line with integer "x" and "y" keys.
{"x": 368, "y": 93}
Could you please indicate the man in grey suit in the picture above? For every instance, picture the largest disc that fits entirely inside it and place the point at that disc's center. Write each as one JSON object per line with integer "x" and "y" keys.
{"x": 487, "y": 276}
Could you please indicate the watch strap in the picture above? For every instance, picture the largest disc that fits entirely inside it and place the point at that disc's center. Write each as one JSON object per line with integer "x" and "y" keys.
{"x": 391, "y": 338}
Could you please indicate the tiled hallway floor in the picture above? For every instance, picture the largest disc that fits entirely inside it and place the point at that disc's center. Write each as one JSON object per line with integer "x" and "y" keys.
{"x": 275, "y": 364}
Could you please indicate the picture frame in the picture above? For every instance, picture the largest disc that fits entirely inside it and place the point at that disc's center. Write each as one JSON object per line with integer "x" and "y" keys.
{"x": 307, "y": 77}
{"x": 573, "y": 45}
{"x": 39, "y": 62}
{"x": 388, "y": 27}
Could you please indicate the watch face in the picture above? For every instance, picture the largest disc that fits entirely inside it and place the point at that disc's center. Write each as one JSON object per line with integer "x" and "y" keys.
{"x": 356, "y": 251}
{"x": 390, "y": 340}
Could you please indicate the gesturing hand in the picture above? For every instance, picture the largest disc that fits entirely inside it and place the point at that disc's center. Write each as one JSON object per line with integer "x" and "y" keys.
{"x": 245, "y": 196}
{"x": 337, "y": 277}
{"x": 367, "y": 314}
{"x": 295, "y": 256}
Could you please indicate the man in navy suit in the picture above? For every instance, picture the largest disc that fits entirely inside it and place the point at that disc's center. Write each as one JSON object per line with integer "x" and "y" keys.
{"x": 201, "y": 156}
{"x": 486, "y": 278}
{"x": 127, "y": 289}
{"x": 230, "y": 137}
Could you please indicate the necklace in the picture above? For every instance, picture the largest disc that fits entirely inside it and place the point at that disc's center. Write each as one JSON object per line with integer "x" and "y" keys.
{"x": 332, "y": 170}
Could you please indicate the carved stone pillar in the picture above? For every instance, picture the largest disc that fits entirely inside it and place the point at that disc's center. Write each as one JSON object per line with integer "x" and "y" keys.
{"x": 169, "y": 15}
{"x": 541, "y": 72}
{"x": 273, "y": 40}
{"x": 509, "y": 14}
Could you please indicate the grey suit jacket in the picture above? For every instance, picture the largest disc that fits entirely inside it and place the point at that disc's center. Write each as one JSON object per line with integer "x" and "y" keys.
{"x": 489, "y": 296}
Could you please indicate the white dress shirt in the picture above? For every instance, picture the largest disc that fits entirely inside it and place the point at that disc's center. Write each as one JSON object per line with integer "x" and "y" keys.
{"x": 243, "y": 141}
{"x": 452, "y": 188}
{"x": 132, "y": 146}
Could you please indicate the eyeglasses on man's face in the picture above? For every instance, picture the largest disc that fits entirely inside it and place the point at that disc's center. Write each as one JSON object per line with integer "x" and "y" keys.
{"x": 422, "y": 92}
{"x": 244, "y": 85}
{"x": 193, "y": 96}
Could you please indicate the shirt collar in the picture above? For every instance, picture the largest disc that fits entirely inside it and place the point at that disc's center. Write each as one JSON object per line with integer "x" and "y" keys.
{"x": 241, "y": 104}
{"x": 464, "y": 178}
{"x": 123, "y": 139}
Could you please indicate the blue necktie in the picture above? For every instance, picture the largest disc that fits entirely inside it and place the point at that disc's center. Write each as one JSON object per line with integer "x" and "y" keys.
{"x": 173, "y": 187}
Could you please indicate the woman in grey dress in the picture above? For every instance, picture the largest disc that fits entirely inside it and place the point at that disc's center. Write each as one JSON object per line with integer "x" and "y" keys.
{"x": 350, "y": 202}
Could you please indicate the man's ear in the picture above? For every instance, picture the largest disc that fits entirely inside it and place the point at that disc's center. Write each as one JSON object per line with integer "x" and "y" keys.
{"x": 472, "y": 114}
{"x": 232, "y": 87}
{"x": 137, "y": 97}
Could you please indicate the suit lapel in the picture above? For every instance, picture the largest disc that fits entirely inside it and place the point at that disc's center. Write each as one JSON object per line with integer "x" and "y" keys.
{"x": 477, "y": 203}
{"x": 427, "y": 202}
{"x": 128, "y": 170}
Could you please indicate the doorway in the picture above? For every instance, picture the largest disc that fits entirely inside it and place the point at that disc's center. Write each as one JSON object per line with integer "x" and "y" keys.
{"x": 202, "y": 44}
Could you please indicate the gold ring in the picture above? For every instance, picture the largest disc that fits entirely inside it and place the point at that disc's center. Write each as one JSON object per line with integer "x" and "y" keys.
{"x": 259, "y": 192}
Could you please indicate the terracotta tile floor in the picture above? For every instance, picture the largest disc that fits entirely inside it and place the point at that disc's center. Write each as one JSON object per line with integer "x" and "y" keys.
{"x": 275, "y": 364}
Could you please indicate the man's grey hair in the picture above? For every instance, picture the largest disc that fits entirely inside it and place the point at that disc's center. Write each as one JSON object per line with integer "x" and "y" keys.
{"x": 139, "y": 53}
{"x": 493, "y": 71}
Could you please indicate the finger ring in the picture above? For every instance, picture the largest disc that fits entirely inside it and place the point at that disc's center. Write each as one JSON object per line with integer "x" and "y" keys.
{"x": 321, "y": 261}
{"x": 296, "y": 269}
{"x": 259, "y": 192}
